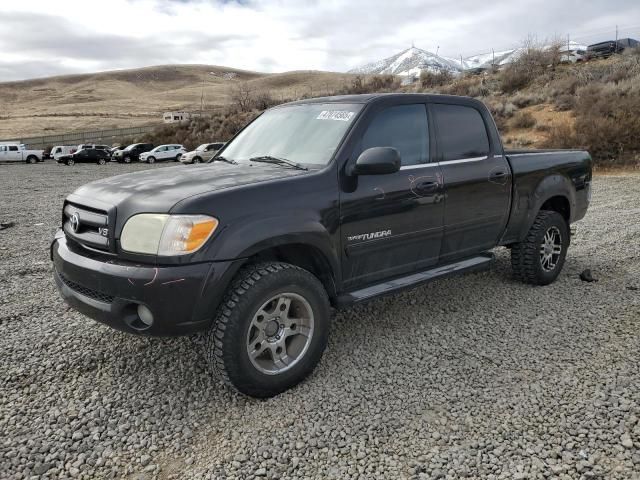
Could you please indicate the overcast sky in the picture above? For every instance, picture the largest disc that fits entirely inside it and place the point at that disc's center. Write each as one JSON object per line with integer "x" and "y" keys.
{"x": 47, "y": 37}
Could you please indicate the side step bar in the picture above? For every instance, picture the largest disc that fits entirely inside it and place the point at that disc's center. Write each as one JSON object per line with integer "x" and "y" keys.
{"x": 472, "y": 264}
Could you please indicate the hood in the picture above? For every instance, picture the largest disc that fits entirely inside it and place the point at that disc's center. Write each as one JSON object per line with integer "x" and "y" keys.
{"x": 159, "y": 189}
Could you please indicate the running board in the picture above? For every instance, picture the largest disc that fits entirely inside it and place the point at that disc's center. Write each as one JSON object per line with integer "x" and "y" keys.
{"x": 473, "y": 264}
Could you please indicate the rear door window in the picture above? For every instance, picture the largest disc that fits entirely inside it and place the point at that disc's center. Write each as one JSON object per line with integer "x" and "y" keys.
{"x": 403, "y": 127}
{"x": 461, "y": 132}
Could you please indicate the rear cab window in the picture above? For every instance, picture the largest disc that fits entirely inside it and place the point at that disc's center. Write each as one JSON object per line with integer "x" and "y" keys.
{"x": 461, "y": 132}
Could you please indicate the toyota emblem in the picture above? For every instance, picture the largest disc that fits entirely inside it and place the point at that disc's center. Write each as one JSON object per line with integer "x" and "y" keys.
{"x": 75, "y": 222}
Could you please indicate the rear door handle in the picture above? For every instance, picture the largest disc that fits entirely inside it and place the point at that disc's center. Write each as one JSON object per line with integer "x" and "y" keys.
{"x": 499, "y": 177}
{"x": 428, "y": 186}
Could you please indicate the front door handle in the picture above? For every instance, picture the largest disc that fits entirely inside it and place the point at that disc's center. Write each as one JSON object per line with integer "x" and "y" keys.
{"x": 498, "y": 175}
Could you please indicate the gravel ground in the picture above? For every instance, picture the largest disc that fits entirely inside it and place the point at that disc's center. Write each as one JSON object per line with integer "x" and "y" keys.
{"x": 478, "y": 377}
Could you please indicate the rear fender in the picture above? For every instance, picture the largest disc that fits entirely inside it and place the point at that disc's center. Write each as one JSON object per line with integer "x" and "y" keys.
{"x": 529, "y": 204}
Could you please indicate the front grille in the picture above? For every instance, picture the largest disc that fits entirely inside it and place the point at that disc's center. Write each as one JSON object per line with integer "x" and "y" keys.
{"x": 87, "y": 292}
{"x": 87, "y": 226}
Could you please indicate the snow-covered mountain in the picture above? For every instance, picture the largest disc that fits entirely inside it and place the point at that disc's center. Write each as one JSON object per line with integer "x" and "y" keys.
{"x": 409, "y": 62}
{"x": 412, "y": 61}
{"x": 504, "y": 57}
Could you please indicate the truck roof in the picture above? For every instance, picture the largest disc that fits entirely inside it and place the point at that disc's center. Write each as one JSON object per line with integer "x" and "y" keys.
{"x": 374, "y": 97}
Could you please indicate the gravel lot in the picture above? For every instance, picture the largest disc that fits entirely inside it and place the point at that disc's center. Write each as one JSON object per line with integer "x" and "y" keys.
{"x": 478, "y": 377}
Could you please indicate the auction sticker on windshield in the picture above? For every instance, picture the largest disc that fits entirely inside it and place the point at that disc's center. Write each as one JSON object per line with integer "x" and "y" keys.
{"x": 341, "y": 115}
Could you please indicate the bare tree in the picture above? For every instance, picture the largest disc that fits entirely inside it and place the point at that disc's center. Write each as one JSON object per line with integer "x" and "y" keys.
{"x": 242, "y": 96}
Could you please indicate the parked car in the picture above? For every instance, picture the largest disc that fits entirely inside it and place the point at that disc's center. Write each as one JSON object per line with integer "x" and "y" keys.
{"x": 316, "y": 203}
{"x": 17, "y": 152}
{"x": 573, "y": 56}
{"x": 86, "y": 155}
{"x": 605, "y": 49}
{"x": 163, "y": 152}
{"x": 62, "y": 150}
{"x": 132, "y": 152}
{"x": 203, "y": 153}
{"x": 91, "y": 146}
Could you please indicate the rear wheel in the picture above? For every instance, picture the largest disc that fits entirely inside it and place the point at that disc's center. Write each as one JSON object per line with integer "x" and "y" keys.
{"x": 70, "y": 162}
{"x": 178, "y": 157}
{"x": 32, "y": 159}
{"x": 539, "y": 258}
{"x": 271, "y": 330}
{"x": 102, "y": 161}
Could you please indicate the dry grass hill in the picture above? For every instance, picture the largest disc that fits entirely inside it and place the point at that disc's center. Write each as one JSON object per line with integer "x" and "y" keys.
{"x": 127, "y": 98}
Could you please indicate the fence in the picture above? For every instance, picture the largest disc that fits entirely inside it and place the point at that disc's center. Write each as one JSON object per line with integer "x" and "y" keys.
{"x": 75, "y": 138}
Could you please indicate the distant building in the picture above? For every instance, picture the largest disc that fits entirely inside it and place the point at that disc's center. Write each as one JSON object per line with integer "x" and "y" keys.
{"x": 173, "y": 117}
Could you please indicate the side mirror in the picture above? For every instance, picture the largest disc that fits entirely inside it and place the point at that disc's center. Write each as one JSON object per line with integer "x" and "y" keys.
{"x": 377, "y": 161}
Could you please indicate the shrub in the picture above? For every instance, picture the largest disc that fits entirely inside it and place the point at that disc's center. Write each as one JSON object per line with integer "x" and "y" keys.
{"x": 561, "y": 135}
{"x": 565, "y": 102}
{"x": 523, "y": 120}
{"x": 430, "y": 79}
{"x": 607, "y": 120}
{"x": 522, "y": 99}
{"x": 532, "y": 61}
{"x": 377, "y": 83}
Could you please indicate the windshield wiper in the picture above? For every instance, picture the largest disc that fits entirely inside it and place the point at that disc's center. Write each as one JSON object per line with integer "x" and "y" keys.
{"x": 223, "y": 159}
{"x": 278, "y": 161}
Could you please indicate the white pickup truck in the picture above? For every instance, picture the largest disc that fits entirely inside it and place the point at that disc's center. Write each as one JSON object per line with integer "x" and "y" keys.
{"x": 17, "y": 152}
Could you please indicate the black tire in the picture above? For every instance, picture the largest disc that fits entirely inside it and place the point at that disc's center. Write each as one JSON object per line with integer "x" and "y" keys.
{"x": 102, "y": 161}
{"x": 126, "y": 159}
{"x": 151, "y": 160}
{"x": 32, "y": 159}
{"x": 70, "y": 162}
{"x": 177, "y": 159}
{"x": 526, "y": 256}
{"x": 196, "y": 160}
{"x": 226, "y": 346}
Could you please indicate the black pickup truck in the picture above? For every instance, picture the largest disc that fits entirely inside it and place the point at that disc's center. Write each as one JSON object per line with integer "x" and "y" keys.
{"x": 317, "y": 203}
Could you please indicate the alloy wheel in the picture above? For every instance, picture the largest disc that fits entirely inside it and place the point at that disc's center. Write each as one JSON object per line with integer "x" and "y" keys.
{"x": 280, "y": 333}
{"x": 550, "y": 249}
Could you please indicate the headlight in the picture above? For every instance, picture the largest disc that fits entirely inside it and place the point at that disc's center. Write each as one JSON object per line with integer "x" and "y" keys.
{"x": 166, "y": 235}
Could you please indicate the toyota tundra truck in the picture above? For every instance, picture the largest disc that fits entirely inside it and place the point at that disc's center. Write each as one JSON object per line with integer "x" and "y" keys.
{"x": 317, "y": 204}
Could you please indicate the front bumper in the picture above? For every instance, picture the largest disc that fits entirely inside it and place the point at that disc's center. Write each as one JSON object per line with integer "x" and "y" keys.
{"x": 182, "y": 298}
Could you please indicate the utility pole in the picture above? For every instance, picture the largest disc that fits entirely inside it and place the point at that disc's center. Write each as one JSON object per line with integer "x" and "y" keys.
{"x": 437, "y": 50}
{"x": 493, "y": 58}
{"x": 615, "y": 48}
{"x": 202, "y": 97}
{"x": 461, "y": 64}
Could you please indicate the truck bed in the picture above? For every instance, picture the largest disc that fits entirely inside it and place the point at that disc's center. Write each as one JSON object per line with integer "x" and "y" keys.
{"x": 538, "y": 171}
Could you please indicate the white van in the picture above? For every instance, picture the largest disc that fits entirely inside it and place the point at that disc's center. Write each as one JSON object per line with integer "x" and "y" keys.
{"x": 60, "y": 150}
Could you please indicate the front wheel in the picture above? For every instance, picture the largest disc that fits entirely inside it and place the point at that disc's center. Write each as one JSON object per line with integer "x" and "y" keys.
{"x": 197, "y": 160}
{"x": 270, "y": 330}
{"x": 539, "y": 258}
{"x": 102, "y": 161}
{"x": 178, "y": 157}
{"x": 126, "y": 159}
{"x": 70, "y": 162}
{"x": 151, "y": 159}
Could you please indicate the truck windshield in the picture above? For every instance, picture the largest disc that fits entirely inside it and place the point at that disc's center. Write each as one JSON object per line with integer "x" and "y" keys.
{"x": 307, "y": 134}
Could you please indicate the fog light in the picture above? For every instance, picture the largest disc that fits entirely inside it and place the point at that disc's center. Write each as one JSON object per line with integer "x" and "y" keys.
{"x": 145, "y": 315}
